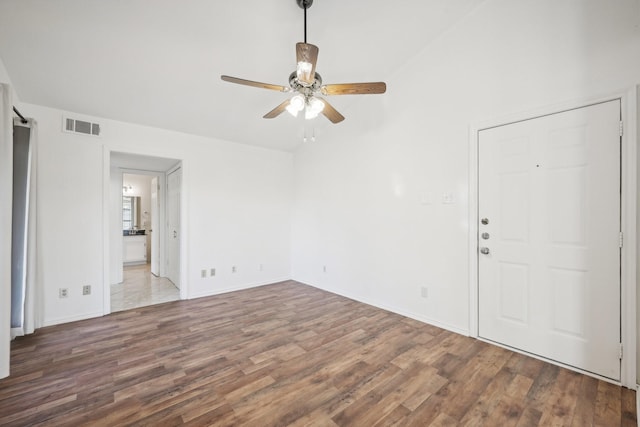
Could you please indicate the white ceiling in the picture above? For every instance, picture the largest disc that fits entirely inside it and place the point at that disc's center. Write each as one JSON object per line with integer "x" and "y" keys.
{"x": 158, "y": 62}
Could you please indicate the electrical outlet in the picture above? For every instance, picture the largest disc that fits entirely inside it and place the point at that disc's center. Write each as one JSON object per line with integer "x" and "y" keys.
{"x": 324, "y": 268}
{"x": 203, "y": 273}
{"x": 86, "y": 290}
{"x": 212, "y": 272}
{"x": 261, "y": 267}
{"x": 233, "y": 269}
{"x": 424, "y": 291}
{"x": 447, "y": 198}
{"x": 63, "y": 292}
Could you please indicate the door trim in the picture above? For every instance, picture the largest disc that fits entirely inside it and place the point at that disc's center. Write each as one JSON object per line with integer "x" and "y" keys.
{"x": 174, "y": 169}
{"x": 629, "y": 188}
{"x": 182, "y": 229}
{"x": 107, "y": 214}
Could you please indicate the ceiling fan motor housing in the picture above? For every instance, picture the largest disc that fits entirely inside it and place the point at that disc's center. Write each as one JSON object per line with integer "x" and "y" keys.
{"x": 307, "y": 90}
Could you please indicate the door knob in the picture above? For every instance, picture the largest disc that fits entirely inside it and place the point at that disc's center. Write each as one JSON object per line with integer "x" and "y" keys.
{"x": 485, "y": 236}
{"x": 484, "y": 221}
{"x": 484, "y": 251}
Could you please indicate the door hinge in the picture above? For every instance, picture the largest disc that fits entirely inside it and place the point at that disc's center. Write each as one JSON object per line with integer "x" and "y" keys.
{"x": 621, "y": 239}
{"x": 620, "y": 353}
{"x": 621, "y": 127}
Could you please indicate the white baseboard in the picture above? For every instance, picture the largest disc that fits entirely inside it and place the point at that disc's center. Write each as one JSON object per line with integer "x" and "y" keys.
{"x": 237, "y": 288}
{"x": 393, "y": 309}
{"x": 60, "y": 320}
{"x": 420, "y": 318}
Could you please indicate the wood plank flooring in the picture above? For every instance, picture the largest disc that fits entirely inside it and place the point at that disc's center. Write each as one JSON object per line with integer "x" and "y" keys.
{"x": 288, "y": 354}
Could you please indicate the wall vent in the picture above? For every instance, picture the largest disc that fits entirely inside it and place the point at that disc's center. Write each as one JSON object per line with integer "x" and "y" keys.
{"x": 80, "y": 126}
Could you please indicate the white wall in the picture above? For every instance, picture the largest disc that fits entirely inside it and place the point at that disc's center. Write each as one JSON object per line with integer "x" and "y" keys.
{"x": 368, "y": 196}
{"x": 637, "y": 240}
{"x": 4, "y": 78}
{"x": 6, "y": 150}
{"x": 6, "y": 213}
{"x": 4, "y": 75}
{"x": 237, "y": 203}
{"x": 115, "y": 224}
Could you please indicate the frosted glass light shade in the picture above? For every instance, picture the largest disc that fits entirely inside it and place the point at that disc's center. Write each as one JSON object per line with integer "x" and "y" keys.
{"x": 295, "y": 105}
{"x": 314, "y": 107}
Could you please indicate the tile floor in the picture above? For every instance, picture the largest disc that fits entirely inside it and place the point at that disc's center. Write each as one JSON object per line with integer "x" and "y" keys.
{"x": 141, "y": 288}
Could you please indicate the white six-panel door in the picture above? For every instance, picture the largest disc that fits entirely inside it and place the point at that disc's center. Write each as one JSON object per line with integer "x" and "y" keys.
{"x": 549, "y": 203}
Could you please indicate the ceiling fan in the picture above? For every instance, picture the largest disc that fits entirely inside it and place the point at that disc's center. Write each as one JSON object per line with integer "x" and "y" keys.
{"x": 307, "y": 84}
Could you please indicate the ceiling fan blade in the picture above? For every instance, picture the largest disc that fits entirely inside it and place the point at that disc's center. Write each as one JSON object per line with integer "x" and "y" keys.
{"x": 278, "y": 110}
{"x": 255, "y": 84}
{"x": 331, "y": 113}
{"x": 306, "y": 57}
{"x": 354, "y": 88}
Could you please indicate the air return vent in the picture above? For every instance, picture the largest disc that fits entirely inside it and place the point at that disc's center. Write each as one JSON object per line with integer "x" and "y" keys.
{"x": 80, "y": 126}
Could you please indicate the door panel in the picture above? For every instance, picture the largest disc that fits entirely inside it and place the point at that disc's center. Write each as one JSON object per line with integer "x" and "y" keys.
{"x": 514, "y": 288}
{"x": 514, "y": 225}
{"x": 550, "y": 190}
{"x": 566, "y": 213}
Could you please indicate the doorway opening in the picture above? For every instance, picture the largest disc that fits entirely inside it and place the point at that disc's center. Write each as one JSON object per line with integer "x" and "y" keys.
{"x": 144, "y": 261}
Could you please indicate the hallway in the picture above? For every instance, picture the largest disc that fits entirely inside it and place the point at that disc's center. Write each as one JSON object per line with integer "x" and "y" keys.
{"x": 141, "y": 288}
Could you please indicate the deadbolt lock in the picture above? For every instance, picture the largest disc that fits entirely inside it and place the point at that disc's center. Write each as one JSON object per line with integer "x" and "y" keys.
{"x": 484, "y": 221}
{"x": 485, "y": 236}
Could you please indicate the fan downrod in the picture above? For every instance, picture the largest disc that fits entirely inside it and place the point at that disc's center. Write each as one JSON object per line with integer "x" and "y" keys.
{"x": 304, "y": 4}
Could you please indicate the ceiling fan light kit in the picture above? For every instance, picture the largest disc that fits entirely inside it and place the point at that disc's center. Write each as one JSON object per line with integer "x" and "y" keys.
{"x": 314, "y": 107}
{"x": 296, "y": 104}
{"x": 307, "y": 84}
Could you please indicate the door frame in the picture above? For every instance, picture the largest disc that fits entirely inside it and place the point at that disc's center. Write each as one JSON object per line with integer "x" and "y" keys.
{"x": 629, "y": 186}
{"x": 163, "y": 261}
{"x": 107, "y": 219}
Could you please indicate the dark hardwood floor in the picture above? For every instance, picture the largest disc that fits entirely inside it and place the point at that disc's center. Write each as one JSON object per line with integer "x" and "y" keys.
{"x": 288, "y": 354}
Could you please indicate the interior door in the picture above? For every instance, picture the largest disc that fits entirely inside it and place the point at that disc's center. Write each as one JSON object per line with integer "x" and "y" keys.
{"x": 549, "y": 237}
{"x": 155, "y": 227}
{"x": 174, "y": 180}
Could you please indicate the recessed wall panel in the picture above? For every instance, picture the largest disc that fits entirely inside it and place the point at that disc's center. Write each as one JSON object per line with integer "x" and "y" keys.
{"x": 567, "y": 147}
{"x": 514, "y": 207}
{"x": 569, "y": 301}
{"x": 513, "y": 154}
{"x": 514, "y": 289}
{"x": 568, "y": 205}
